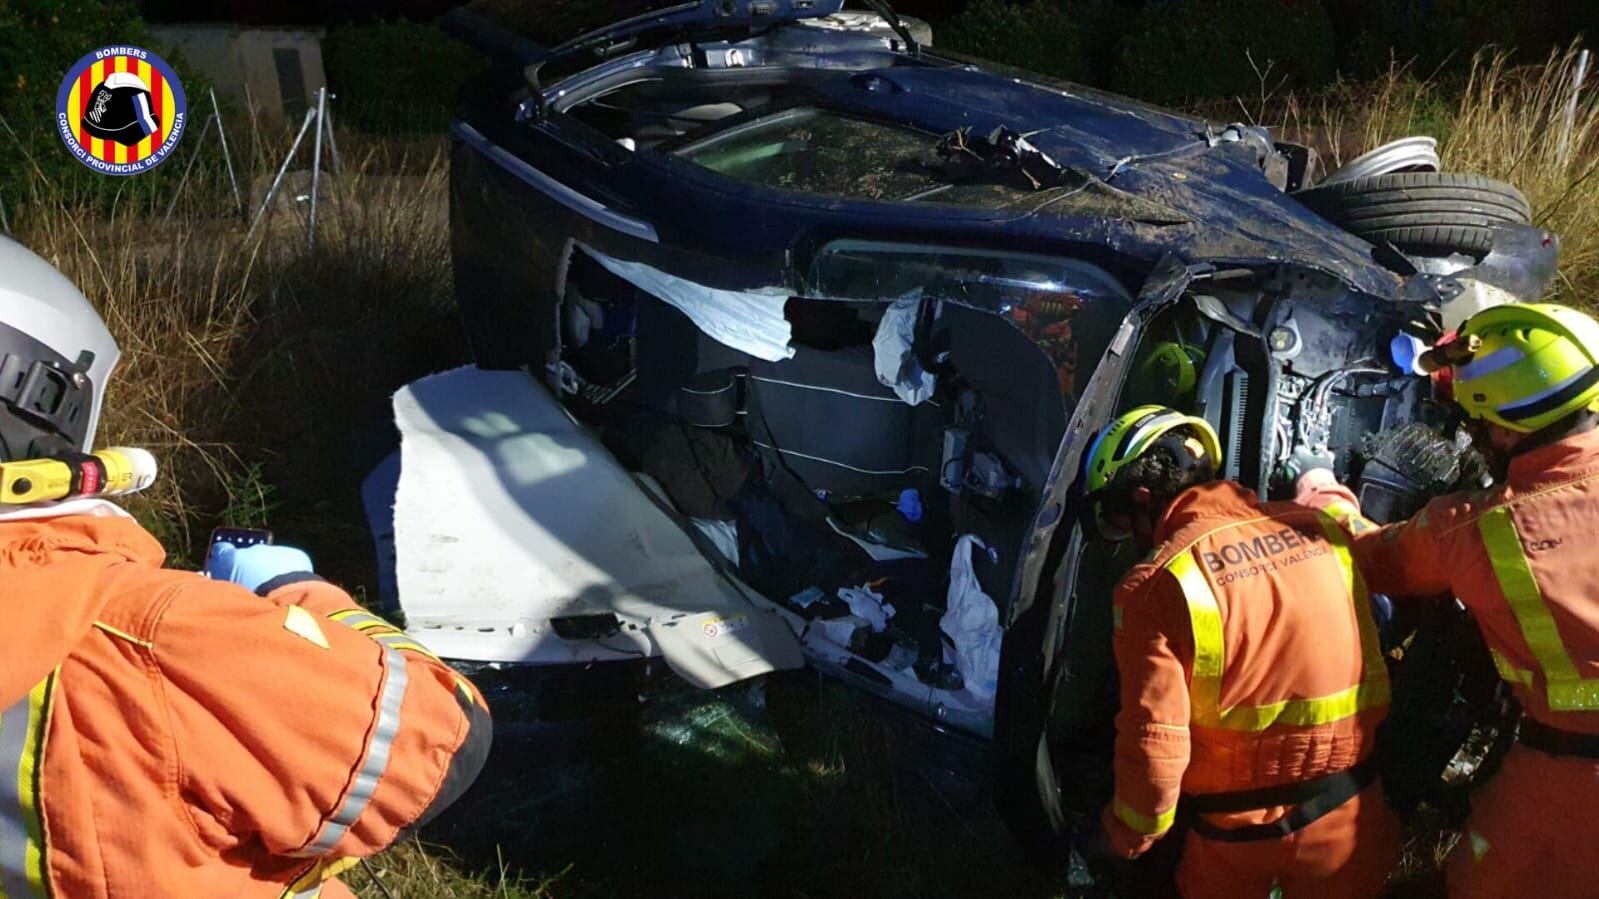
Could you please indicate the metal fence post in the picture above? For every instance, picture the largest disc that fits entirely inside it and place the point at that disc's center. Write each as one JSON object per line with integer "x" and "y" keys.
{"x": 1571, "y": 107}
{"x": 333, "y": 144}
{"x": 199, "y": 145}
{"x": 316, "y": 162}
{"x": 227, "y": 157}
{"x": 277, "y": 180}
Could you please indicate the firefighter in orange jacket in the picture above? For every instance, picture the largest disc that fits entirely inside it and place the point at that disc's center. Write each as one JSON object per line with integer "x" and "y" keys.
{"x": 1522, "y": 558}
{"x": 163, "y": 734}
{"x": 1252, "y": 681}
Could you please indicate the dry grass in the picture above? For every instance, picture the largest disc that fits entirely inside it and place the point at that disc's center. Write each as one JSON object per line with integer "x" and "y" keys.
{"x": 419, "y": 871}
{"x": 1504, "y": 121}
{"x": 215, "y": 326}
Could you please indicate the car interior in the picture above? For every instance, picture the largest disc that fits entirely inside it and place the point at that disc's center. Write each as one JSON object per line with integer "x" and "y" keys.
{"x": 829, "y": 486}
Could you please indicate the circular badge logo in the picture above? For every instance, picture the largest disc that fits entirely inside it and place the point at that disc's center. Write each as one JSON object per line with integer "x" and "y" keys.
{"x": 121, "y": 110}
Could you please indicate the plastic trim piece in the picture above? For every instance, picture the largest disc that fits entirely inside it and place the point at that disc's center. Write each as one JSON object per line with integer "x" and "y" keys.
{"x": 580, "y": 203}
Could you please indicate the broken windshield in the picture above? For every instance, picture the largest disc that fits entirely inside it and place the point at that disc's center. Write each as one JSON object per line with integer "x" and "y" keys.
{"x": 816, "y": 151}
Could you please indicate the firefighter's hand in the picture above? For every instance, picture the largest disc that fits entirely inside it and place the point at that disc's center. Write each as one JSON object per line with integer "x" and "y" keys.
{"x": 1316, "y": 478}
{"x": 1120, "y": 841}
{"x": 1315, "y": 484}
{"x": 256, "y": 565}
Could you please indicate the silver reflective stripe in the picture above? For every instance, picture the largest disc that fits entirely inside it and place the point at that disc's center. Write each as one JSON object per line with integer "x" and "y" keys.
{"x": 22, "y": 863}
{"x": 311, "y": 893}
{"x": 13, "y": 830}
{"x": 356, "y": 619}
{"x": 1502, "y": 358}
{"x": 377, "y": 759}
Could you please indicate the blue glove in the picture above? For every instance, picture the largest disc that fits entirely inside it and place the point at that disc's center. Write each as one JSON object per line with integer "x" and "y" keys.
{"x": 253, "y": 566}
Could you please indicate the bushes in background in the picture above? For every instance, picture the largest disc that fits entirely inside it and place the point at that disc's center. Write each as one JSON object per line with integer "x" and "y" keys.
{"x": 1434, "y": 34}
{"x": 1037, "y": 35}
{"x": 1183, "y": 49}
{"x": 1176, "y": 50}
{"x": 396, "y": 77}
{"x": 39, "y": 42}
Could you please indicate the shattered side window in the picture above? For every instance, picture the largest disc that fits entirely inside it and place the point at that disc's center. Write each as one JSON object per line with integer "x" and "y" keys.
{"x": 818, "y": 152}
{"x": 1068, "y": 307}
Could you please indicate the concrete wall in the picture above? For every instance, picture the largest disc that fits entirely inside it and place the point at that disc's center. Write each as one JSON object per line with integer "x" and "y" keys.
{"x": 240, "y": 62}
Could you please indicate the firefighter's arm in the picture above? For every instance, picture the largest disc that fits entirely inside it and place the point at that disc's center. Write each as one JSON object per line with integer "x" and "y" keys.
{"x": 1401, "y": 560}
{"x": 1152, "y": 637}
{"x": 1320, "y": 489}
{"x": 308, "y": 725}
{"x": 1411, "y": 558}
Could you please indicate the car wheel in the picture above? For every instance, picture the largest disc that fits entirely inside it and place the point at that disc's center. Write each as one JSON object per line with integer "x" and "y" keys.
{"x": 1425, "y": 213}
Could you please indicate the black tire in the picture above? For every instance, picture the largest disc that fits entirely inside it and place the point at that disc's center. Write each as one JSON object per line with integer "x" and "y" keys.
{"x": 1427, "y": 213}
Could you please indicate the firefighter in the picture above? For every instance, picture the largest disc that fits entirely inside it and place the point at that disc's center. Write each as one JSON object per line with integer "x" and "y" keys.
{"x": 1520, "y": 557}
{"x": 165, "y": 734}
{"x": 1252, "y": 681}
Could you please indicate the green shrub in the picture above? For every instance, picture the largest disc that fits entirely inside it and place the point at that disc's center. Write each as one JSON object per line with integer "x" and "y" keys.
{"x": 1443, "y": 35}
{"x": 1179, "y": 50}
{"x": 396, "y": 77}
{"x": 1037, "y": 36}
{"x": 39, "y": 42}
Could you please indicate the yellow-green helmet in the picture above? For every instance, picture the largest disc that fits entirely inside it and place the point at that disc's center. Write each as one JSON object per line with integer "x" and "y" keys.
{"x": 1133, "y": 434}
{"x": 1537, "y": 363}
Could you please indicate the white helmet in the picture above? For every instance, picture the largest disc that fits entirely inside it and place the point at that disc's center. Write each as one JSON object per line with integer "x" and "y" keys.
{"x": 56, "y": 358}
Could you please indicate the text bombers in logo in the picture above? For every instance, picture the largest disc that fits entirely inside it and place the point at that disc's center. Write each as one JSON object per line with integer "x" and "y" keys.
{"x": 1264, "y": 554}
{"x": 121, "y": 110}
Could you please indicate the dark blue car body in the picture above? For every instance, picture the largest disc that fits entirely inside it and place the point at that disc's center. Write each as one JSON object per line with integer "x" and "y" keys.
{"x": 1155, "y": 198}
{"x": 1194, "y": 194}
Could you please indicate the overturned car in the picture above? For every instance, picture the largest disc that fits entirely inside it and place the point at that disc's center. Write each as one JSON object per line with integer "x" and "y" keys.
{"x": 792, "y": 334}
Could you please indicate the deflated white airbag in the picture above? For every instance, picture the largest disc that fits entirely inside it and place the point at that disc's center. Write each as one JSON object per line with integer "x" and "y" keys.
{"x": 750, "y": 321}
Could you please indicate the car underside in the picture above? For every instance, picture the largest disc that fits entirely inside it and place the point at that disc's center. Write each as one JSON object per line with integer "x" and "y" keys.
{"x": 792, "y": 337}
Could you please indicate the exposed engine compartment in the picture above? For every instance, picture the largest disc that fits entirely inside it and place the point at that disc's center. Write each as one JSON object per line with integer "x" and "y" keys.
{"x": 1295, "y": 371}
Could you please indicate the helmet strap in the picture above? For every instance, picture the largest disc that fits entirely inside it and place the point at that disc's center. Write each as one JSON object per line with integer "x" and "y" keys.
{"x": 1578, "y": 422}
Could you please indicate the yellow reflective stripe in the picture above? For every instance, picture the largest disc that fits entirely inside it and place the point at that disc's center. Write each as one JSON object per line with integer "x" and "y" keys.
{"x": 1210, "y": 654}
{"x": 403, "y": 641}
{"x": 309, "y": 884}
{"x": 379, "y": 630}
{"x": 124, "y": 635}
{"x": 1210, "y": 648}
{"x": 1566, "y": 690}
{"x": 1355, "y": 583}
{"x": 1346, "y": 703}
{"x": 362, "y": 620}
{"x": 1348, "y": 515}
{"x": 1510, "y": 672}
{"x": 24, "y": 732}
{"x": 1145, "y": 824}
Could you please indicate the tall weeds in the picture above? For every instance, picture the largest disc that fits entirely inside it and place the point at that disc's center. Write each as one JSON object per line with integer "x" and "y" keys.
{"x": 224, "y": 337}
{"x": 1504, "y": 121}
{"x": 1511, "y": 124}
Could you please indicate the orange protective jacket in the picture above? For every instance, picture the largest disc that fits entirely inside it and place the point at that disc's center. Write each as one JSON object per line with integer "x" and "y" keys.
{"x": 165, "y": 735}
{"x": 1523, "y": 558}
{"x": 1247, "y": 656}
